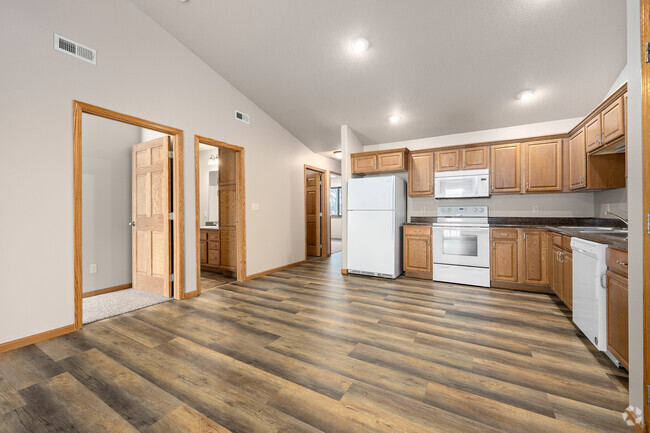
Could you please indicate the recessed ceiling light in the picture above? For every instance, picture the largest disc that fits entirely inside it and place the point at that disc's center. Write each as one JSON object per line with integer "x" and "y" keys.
{"x": 337, "y": 154}
{"x": 394, "y": 118}
{"x": 360, "y": 44}
{"x": 525, "y": 94}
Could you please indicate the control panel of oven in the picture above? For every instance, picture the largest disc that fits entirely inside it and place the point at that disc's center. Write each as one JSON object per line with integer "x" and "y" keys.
{"x": 463, "y": 211}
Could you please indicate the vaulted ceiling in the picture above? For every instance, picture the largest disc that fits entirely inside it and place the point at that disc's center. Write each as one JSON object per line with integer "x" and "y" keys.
{"x": 446, "y": 66}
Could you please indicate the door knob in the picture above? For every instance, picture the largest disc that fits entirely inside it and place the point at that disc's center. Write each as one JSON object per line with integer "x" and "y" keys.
{"x": 132, "y": 223}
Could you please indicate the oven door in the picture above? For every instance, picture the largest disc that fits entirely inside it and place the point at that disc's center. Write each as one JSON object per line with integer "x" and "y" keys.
{"x": 464, "y": 246}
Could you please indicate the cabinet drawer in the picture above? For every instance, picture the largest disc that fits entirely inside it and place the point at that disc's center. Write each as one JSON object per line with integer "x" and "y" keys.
{"x": 203, "y": 235}
{"x": 214, "y": 258}
{"x": 566, "y": 243}
{"x": 557, "y": 240}
{"x": 417, "y": 230}
{"x": 617, "y": 261}
{"x": 213, "y": 245}
{"x": 505, "y": 233}
{"x": 213, "y": 236}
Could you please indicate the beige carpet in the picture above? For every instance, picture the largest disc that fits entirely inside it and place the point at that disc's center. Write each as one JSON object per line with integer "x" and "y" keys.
{"x": 113, "y": 304}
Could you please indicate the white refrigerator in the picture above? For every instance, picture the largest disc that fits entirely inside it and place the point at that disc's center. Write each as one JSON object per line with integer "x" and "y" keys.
{"x": 376, "y": 212}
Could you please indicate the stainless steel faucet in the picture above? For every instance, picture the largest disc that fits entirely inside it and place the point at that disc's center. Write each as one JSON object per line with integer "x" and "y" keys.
{"x": 619, "y": 217}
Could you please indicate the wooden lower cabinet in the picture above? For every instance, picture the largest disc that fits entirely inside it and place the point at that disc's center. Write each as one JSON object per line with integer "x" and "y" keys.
{"x": 418, "y": 261}
{"x": 562, "y": 269}
{"x": 519, "y": 258}
{"x": 617, "y": 306}
{"x": 210, "y": 247}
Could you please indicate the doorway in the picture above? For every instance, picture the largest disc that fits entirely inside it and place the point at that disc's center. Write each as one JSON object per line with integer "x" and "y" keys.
{"x": 141, "y": 176}
{"x": 220, "y": 213}
{"x": 316, "y": 212}
{"x": 336, "y": 212}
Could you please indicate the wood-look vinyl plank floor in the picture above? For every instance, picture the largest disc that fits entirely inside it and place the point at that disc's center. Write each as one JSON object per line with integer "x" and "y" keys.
{"x": 311, "y": 350}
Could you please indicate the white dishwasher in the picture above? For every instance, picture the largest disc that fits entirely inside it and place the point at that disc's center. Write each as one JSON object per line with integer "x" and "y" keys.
{"x": 590, "y": 291}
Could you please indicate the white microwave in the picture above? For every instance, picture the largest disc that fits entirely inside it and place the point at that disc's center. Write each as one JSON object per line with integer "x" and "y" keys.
{"x": 463, "y": 184}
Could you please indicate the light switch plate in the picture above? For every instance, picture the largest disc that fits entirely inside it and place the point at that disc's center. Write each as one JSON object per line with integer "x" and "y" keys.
{"x": 93, "y": 268}
{"x": 255, "y": 206}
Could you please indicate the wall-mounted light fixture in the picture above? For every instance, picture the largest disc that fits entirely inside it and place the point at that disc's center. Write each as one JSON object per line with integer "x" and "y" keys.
{"x": 214, "y": 160}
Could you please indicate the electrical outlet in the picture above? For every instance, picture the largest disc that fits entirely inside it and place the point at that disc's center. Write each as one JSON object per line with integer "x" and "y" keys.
{"x": 424, "y": 209}
{"x": 535, "y": 208}
{"x": 255, "y": 206}
{"x": 93, "y": 268}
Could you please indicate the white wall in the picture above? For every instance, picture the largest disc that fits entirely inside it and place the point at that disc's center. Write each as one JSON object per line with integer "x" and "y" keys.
{"x": 350, "y": 143}
{"x": 336, "y": 222}
{"x": 106, "y": 201}
{"x": 635, "y": 199}
{"x": 142, "y": 71}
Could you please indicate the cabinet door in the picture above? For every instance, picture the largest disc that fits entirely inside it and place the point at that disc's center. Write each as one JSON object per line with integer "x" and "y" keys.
{"x": 504, "y": 260}
{"x": 617, "y": 314}
{"x": 417, "y": 254}
{"x": 567, "y": 277}
{"x": 421, "y": 181}
{"x": 475, "y": 158}
{"x": 613, "y": 121}
{"x": 204, "y": 251}
{"x": 543, "y": 166}
{"x": 364, "y": 163}
{"x": 505, "y": 171}
{"x": 558, "y": 274}
{"x": 577, "y": 161}
{"x": 533, "y": 257}
{"x": 390, "y": 161}
{"x": 448, "y": 160}
{"x": 592, "y": 133}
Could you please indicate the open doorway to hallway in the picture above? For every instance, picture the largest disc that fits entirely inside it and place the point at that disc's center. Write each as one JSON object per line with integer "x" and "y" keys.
{"x": 336, "y": 212}
{"x": 219, "y": 213}
{"x": 316, "y": 212}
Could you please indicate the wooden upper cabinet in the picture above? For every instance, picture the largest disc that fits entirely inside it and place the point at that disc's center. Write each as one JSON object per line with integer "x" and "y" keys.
{"x": 592, "y": 133}
{"x": 448, "y": 160}
{"x": 577, "y": 161}
{"x": 613, "y": 121}
{"x": 380, "y": 161}
{"x": 543, "y": 166}
{"x": 534, "y": 257}
{"x": 421, "y": 178}
{"x": 504, "y": 260}
{"x": 364, "y": 163}
{"x": 505, "y": 171}
{"x": 475, "y": 158}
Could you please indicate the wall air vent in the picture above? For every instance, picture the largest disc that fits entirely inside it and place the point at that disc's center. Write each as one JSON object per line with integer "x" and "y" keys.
{"x": 243, "y": 117}
{"x": 74, "y": 49}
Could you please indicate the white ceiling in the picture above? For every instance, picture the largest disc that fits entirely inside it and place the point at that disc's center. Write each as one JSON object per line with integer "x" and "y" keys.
{"x": 446, "y": 66}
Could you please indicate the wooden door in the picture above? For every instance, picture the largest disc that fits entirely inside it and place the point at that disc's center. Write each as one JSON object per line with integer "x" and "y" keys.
{"x": 613, "y": 121}
{"x": 364, "y": 163}
{"x": 475, "y": 158}
{"x": 543, "y": 166}
{"x": 421, "y": 181}
{"x": 391, "y": 161}
{"x": 504, "y": 260}
{"x": 417, "y": 254}
{"x": 577, "y": 161}
{"x": 567, "y": 276}
{"x": 313, "y": 213}
{"x": 150, "y": 236}
{"x": 448, "y": 160}
{"x": 533, "y": 258}
{"x": 592, "y": 133}
{"x": 558, "y": 274}
{"x": 617, "y": 317}
{"x": 227, "y": 212}
{"x": 505, "y": 168}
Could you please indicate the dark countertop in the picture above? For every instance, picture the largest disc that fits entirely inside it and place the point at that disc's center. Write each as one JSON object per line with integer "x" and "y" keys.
{"x": 565, "y": 226}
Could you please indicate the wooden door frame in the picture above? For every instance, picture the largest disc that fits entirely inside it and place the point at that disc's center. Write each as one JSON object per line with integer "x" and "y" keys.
{"x": 645, "y": 119}
{"x": 80, "y": 108}
{"x": 324, "y": 205}
{"x": 241, "y": 207}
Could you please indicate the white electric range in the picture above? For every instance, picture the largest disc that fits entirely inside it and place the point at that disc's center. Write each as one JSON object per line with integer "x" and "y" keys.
{"x": 461, "y": 245}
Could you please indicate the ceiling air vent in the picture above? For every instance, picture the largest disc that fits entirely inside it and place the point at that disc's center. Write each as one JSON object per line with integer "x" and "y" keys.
{"x": 74, "y": 49}
{"x": 243, "y": 117}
